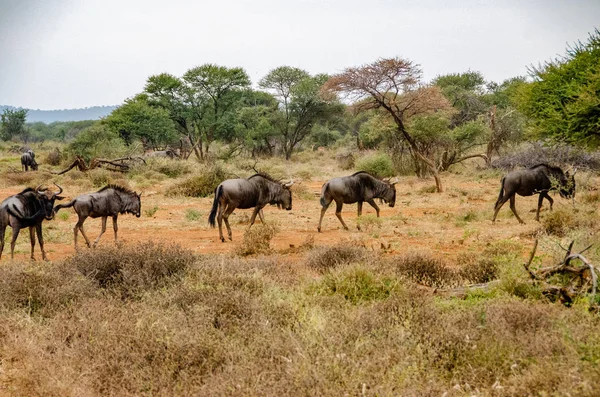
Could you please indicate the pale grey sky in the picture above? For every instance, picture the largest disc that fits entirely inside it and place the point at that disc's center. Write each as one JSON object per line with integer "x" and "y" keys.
{"x": 76, "y": 53}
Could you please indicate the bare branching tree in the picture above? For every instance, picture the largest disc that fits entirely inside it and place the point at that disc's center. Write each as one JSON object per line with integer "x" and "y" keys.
{"x": 392, "y": 85}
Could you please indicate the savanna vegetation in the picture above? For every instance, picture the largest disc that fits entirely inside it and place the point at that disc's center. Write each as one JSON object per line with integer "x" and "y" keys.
{"x": 429, "y": 299}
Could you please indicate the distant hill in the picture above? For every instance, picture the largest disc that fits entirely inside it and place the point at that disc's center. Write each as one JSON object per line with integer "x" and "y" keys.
{"x": 50, "y": 116}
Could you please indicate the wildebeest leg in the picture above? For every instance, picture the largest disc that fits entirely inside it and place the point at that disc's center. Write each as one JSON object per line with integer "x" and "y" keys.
{"x": 338, "y": 212}
{"x": 115, "y": 226}
{"x": 15, "y": 234}
{"x": 499, "y": 205}
{"x": 2, "y": 231}
{"x": 32, "y": 240}
{"x": 323, "y": 209}
{"x": 372, "y": 203}
{"x": 220, "y": 220}
{"x": 260, "y": 215}
{"x": 514, "y": 209}
{"x": 226, "y": 214}
{"x": 257, "y": 211}
{"x": 38, "y": 229}
{"x": 540, "y": 202}
{"x": 549, "y": 199}
{"x": 359, "y": 205}
{"x": 104, "y": 218}
{"x": 79, "y": 227}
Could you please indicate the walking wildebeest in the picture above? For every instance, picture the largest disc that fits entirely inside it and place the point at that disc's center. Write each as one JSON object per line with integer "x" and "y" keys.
{"x": 356, "y": 188}
{"x": 111, "y": 200}
{"x": 27, "y": 209}
{"x": 256, "y": 191}
{"x": 28, "y": 160}
{"x": 539, "y": 179}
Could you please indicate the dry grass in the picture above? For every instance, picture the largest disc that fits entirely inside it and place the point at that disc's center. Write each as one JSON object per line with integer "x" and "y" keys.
{"x": 200, "y": 185}
{"x": 257, "y": 240}
{"x": 425, "y": 269}
{"x": 324, "y": 259}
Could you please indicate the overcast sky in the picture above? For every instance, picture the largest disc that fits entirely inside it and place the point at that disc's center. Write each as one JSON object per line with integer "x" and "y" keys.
{"x": 77, "y": 53}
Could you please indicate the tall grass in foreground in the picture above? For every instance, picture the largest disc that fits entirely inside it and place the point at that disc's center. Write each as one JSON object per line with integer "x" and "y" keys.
{"x": 155, "y": 320}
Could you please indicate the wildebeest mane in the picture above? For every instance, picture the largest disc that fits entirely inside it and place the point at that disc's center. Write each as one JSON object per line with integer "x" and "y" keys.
{"x": 264, "y": 175}
{"x": 117, "y": 188}
{"x": 550, "y": 167}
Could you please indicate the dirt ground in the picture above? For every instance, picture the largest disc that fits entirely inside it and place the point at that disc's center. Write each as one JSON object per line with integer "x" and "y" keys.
{"x": 446, "y": 224}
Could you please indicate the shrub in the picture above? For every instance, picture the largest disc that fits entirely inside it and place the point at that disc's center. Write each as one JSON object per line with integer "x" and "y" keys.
{"x": 169, "y": 167}
{"x": 151, "y": 211}
{"x": 131, "y": 269}
{"x": 356, "y": 285}
{"x": 379, "y": 165}
{"x": 100, "y": 177}
{"x": 192, "y": 214}
{"x": 426, "y": 270}
{"x": 345, "y": 161}
{"x": 558, "y": 222}
{"x": 257, "y": 240}
{"x": 324, "y": 259}
{"x": 201, "y": 185}
{"x": 53, "y": 157}
{"x": 481, "y": 270}
{"x": 41, "y": 290}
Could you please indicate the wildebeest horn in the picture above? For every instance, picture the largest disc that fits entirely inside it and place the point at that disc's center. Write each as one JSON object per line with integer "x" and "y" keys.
{"x": 38, "y": 189}
{"x": 60, "y": 189}
{"x": 289, "y": 184}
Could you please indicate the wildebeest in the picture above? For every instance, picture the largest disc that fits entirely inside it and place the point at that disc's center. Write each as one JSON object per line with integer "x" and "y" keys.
{"x": 27, "y": 209}
{"x": 356, "y": 188}
{"x": 255, "y": 192}
{"x": 28, "y": 160}
{"x": 539, "y": 179}
{"x": 111, "y": 200}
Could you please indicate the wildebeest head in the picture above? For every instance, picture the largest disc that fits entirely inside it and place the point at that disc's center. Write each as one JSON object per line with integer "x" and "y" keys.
{"x": 34, "y": 165}
{"x": 47, "y": 198}
{"x": 135, "y": 206}
{"x": 389, "y": 195}
{"x": 285, "y": 200}
{"x": 567, "y": 185}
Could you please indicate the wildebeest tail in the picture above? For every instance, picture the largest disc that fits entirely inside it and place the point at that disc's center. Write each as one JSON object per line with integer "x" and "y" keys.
{"x": 14, "y": 211}
{"x": 323, "y": 191}
{"x": 65, "y": 205}
{"x": 501, "y": 194}
{"x": 215, "y": 206}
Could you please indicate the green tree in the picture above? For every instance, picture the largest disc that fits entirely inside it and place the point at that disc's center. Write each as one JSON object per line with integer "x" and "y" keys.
{"x": 136, "y": 119}
{"x": 300, "y": 103}
{"x": 12, "y": 124}
{"x": 563, "y": 100}
{"x": 219, "y": 90}
{"x": 254, "y": 128}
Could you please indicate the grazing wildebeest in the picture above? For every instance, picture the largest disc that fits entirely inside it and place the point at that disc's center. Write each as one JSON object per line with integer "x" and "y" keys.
{"x": 111, "y": 200}
{"x": 169, "y": 153}
{"x": 356, "y": 188}
{"x": 28, "y": 160}
{"x": 254, "y": 192}
{"x": 539, "y": 179}
{"x": 27, "y": 209}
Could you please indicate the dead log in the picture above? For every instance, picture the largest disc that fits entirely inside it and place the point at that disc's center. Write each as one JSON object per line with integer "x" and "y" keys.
{"x": 115, "y": 165}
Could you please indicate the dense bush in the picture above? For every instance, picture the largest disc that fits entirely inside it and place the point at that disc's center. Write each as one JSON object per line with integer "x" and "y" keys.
{"x": 379, "y": 165}
{"x": 426, "y": 270}
{"x": 257, "y": 240}
{"x": 131, "y": 269}
{"x": 324, "y": 259}
{"x": 202, "y": 184}
{"x": 538, "y": 153}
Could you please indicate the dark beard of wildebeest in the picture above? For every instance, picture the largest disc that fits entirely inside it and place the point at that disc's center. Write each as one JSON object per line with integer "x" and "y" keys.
{"x": 27, "y": 209}
{"x": 254, "y": 192}
{"x": 539, "y": 179}
{"x": 356, "y": 188}
{"x": 111, "y": 201}
{"x": 28, "y": 160}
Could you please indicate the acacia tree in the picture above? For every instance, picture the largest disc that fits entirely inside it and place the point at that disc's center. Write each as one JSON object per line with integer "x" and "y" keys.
{"x": 219, "y": 88}
{"x": 170, "y": 93}
{"x": 301, "y": 105}
{"x": 393, "y": 85}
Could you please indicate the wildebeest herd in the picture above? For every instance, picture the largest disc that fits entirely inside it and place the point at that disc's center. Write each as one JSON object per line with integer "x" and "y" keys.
{"x": 31, "y": 207}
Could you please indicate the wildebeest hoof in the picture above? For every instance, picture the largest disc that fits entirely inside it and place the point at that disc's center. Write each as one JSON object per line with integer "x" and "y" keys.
{"x": 345, "y": 227}
{"x": 319, "y": 229}
{"x": 358, "y": 227}
{"x": 222, "y": 239}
